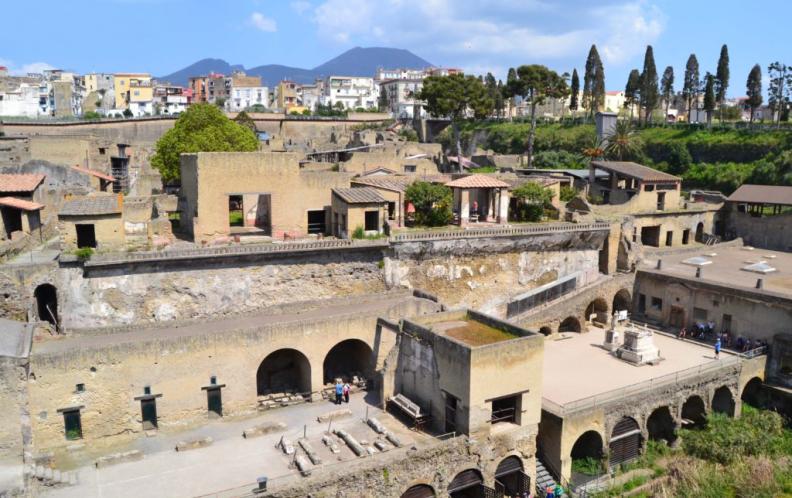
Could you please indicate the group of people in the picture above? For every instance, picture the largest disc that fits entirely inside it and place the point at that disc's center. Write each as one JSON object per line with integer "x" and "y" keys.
{"x": 341, "y": 392}
{"x": 704, "y": 331}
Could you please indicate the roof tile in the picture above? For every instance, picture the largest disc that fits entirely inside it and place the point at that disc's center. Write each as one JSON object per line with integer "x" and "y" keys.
{"x": 90, "y": 206}
{"x": 359, "y": 195}
{"x": 20, "y": 182}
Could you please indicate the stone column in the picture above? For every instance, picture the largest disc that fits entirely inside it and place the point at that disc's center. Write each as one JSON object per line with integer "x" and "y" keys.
{"x": 464, "y": 207}
{"x": 503, "y": 210}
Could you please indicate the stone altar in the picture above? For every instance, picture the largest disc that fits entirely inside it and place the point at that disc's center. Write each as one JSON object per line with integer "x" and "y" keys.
{"x": 638, "y": 347}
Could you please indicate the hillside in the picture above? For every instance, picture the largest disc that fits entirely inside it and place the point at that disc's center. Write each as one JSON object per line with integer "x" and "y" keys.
{"x": 357, "y": 61}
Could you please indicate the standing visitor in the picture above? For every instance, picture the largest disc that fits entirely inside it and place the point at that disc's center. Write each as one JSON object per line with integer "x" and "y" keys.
{"x": 346, "y": 392}
{"x": 339, "y": 390}
{"x": 717, "y": 348}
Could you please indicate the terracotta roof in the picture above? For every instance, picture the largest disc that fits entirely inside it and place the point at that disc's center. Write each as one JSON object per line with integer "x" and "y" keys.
{"x": 378, "y": 171}
{"x": 359, "y": 195}
{"x": 477, "y": 181}
{"x": 20, "y": 204}
{"x": 635, "y": 170}
{"x": 20, "y": 182}
{"x": 90, "y": 206}
{"x": 97, "y": 174}
{"x": 398, "y": 183}
{"x": 762, "y": 194}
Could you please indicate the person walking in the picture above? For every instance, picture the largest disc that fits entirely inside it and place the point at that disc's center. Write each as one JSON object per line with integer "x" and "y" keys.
{"x": 346, "y": 392}
{"x": 339, "y": 391}
{"x": 717, "y": 348}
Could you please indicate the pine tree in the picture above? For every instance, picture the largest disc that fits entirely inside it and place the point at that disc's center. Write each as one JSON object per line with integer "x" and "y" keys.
{"x": 709, "y": 97}
{"x": 690, "y": 88}
{"x": 538, "y": 84}
{"x": 667, "y": 88}
{"x": 593, "y": 82}
{"x": 722, "y": 78}
{"x": 631, "y": 91}
{"x": 511, "y": 89}
{"x": 648, "y": 92}
{"x": 575, "y": 89}
{"x": 753, "y": 88}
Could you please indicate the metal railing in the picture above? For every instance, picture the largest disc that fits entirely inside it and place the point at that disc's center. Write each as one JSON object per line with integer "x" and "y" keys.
{"x": 512, "y": 231}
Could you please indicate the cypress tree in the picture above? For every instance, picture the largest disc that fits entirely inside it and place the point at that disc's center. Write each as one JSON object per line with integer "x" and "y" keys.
{"x": 722, "y": 78}
{"x": 575, "y": 89}
{"x": 667, "y": 88}
{"x": 631, "y": 91}
{"x": 593, "y": 82}
{"x": 648, "y": 92}
{"x": 709, "y": 97}
{"x": 690, "y": 88}
{"x": 753, "y": 88}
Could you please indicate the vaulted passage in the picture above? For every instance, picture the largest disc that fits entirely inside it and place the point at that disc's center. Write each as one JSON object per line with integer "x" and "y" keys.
{"x": 570, "y": 324}
{"x": 625, "y": 443}
{"x": 285, "y": 370}
{"x": 694, "y": 413}
{"x": 723, "y": 401}
{"x": 622, "y": 301}
{"x": 661, "y": 426}
{"x": 597, "y": 311}
{"x": 510, "y": 479}
{"x": 419, "y": 491}
{"x": 587, "y": 454}
{"x": 348, "y": 358}
{"x": 754, "y": 394}
{"x": 466, "y": 484}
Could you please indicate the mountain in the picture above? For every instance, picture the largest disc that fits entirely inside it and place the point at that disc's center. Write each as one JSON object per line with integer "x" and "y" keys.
{"x": 358, "y": 61}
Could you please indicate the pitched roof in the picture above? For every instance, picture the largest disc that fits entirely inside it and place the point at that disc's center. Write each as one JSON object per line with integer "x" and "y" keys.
{"x": 635, "y": 170}
{"x": 20, "y": 204}
{"x": 20, "y": 182}
{"x": 762, "y": 194}
{"x": 92, "y": 172}
{"x": 398, "y": 183}
{"x": 92, "y": 205}
{"x": 477, "y": 181}
{"x": 359, "y": 195}
{"x": 378, "y": 171}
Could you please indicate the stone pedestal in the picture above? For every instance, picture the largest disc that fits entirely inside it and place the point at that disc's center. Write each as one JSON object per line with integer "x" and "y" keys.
{"x": 612, "y": 340}
{"x": 638, "y": 347}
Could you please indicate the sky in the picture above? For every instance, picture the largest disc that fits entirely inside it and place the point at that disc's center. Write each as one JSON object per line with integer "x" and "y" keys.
{"x": 162, "y": 36}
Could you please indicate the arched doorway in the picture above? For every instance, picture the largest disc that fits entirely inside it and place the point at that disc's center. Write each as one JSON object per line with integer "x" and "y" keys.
{"x": 347, "y": 359}
{"x": 47, "y": 303}
{"x": 753, "y": 393}
{"x": 510, "y": 479}
{"x": 700, "y": 232}
{"x": 598, "y": 308}
{"x": 622, "y": 301}
{"x": 545, "y": 330}
{"x": 587, "y": 456}
{"x": 660, "y": 425}
{"x": 723, "y": 401}
{"x": 285, "y": 370}
{"x": 625, "y": 442}
{"x": 570, "y": 324}
{"x": 694, "y": 413}
{"x": 466, "y": 484}
{"x": 419, "y": 491}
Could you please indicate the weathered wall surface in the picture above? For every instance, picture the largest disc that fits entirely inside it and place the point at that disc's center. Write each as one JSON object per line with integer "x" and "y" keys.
{"x": 770, "y": 232}
{"x": 13, "y": 397}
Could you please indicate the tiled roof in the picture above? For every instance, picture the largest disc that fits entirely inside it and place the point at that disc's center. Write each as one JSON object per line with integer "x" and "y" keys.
{"x": 20, "y": 204}
{"x": 762, "y": 194}
{"x": 635, "y": 170}
{"x": 20, "y": 182}
{"x": 477, "y": 181}
{"x": 90, "y": 206}
{"x": 359, "y": 195}
{"x": 97, "y": 174}
{"x": 398, "y": 183}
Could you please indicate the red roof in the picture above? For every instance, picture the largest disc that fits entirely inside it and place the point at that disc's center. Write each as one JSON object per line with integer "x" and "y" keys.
{"x": 20, "y": 182}
{"x": 20, "y": 204}
{"x": 97, "y": 174}
{"x": 477, "y": 181}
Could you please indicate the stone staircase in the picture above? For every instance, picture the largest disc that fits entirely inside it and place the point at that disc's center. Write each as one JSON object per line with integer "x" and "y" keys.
{"x": 543, "y": 478}
{"x": 48, "y": 476}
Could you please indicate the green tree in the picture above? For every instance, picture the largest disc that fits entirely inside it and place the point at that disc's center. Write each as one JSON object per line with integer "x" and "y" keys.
{"x": 778, "y": 91}
{"x": 690, "y": 88}
{"x": 722, "y": 78}
{"x": 622, "y": 143}
{"x": 245, "y": 120}
{"x": 500, "y": 100}
{"x": 574, "y": 93}
{"x": 382, "y": 102}
{"x": 511, "y": 88}
{"x": 201, "y": 128}
{"x": 667, "y": 88}
{"x": 709, "y": 97}
{"x": 532, "y": 199}
{"x": 753, "y": 89}
{"x": 631, "y": 91}
{"x": 128, "y": 113}
{"x": 648, "y": 92}
{"x": 455, "y": 96}
{"x": 493, "y": 91}
{"x": 432, "y": 203}
{"x": 538, "y": 83}
{"x": 593, "y": 82}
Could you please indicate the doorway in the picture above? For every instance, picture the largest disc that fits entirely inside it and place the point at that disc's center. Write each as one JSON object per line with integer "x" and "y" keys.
{"x": 236, "y": 213}
{"x": 650, "y": 236}
{"x": 669, "y": 238}
{"x": 12, "y": 220}
{"x": 72, "y": 424}
{"x": 316, "y": 221}
{"x": 450, "y": 413}
{"x": 214, "y": 401}
{"x": 86, "y": 236}
{"x": 372, "y": 221}
{"x": 47, "y": 303}
{"x": 677, "y": 317}
{"x": 686, "y": 236}
{"x": 148, "y": 409}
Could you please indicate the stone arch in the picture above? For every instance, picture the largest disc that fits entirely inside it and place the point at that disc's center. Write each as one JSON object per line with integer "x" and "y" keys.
{"x": 346, "y": 359}
{"x": 46, "y": 296}
{"x": 622, "y": 301}
{"x": 753, "y": 393}
{"x": 588, "y": 445}
{"x": 700, "y": 232}
{"x": 694, "y": 412}
{"x": 419, "y": 491}
{"x": 598, "y": 307}
{"x": 569, "y": 324}
{"x": 723, "y": 401}
{"x": 510, "y": 477}
{"x": 545, "y": 330}
{"x": 625, "y": 441}
{"x": 661, "y": 425}
{"x": 284, "y": 370}
{"x": 466, "y": 484}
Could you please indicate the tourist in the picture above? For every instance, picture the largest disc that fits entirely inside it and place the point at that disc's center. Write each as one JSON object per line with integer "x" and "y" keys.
{"x": 558, "y": 491}
{"x": 550, "y": 492}
{"x": 717, "y": 348}
{"x": 346, "y": 392}
{"x": 682, "y": 333}
{"x": 339, "y": 391}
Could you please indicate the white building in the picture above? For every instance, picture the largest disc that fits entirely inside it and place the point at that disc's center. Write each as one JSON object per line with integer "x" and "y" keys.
{"x": 28, "y": 100}
{"x": 400, "y": 95}
{"x": 243, "y": 97}
{"x": 351, "y": 91}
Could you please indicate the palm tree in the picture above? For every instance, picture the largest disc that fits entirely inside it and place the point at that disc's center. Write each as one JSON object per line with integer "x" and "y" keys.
{"x": 622, "y": 142}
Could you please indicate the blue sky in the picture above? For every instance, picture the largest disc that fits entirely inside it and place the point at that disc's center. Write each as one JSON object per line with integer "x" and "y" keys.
{"x": 161, "y": 36}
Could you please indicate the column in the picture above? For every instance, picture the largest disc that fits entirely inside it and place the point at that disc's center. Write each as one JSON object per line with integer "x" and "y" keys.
{"x": 464, "y": 207}
{"x": 503, "y": 215}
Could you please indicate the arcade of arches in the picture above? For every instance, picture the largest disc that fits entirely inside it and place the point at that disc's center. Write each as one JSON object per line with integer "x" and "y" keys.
{"x": 694, "y": 412}
{"x": 661, "y": 426}
{"x": 723, "y": 401}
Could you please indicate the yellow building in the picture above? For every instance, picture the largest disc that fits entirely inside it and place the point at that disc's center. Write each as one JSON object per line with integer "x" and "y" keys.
{"x": 286, "y": 95}
{"x": 123, "y": 82}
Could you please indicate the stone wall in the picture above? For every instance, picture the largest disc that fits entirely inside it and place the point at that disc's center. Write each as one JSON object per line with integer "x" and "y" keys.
{"x": 13, "y": 434}
{"x": 769, "y": 232}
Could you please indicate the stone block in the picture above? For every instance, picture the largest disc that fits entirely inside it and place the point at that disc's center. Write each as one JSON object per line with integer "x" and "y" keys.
{"x": 334, "y": 415}
{"x": 116, "y": 458}
{"x": 263, "y": 429}
{"x": 376, "y": 425}
{"x": 193, "y": 444}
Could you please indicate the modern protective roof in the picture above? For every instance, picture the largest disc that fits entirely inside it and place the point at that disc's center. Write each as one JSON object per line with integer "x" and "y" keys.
{"x": 762, "y": 194}
{"x": 20, "y": 182}
{"x": 477, "y": 181}
{"x": 635, "y": 170}
{"x": 397, "y": 183}
{"x": 91, "y": 206}
{"x": 359, "y": 195}
{"x": 20, "y": 204}
{"x": 97, "y": 174}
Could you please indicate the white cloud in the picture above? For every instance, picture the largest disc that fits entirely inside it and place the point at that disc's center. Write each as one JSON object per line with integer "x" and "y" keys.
{"x": 33, "y": 67}
{"x": 300, "y": 6}
{"x": 263, "y": 23}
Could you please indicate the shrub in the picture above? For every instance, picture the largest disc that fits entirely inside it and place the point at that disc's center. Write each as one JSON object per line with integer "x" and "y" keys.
{"x": 568, "y": 193}
{"x": 432, "y": 203}
{"x": 408, "y": 134}
{"x": 558, "y": 159}
{"x": 532, "y": 199}
{"x": 91, "y": 115}
{"x": 358, "y": 233}
{"x": 84, "y": 253}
